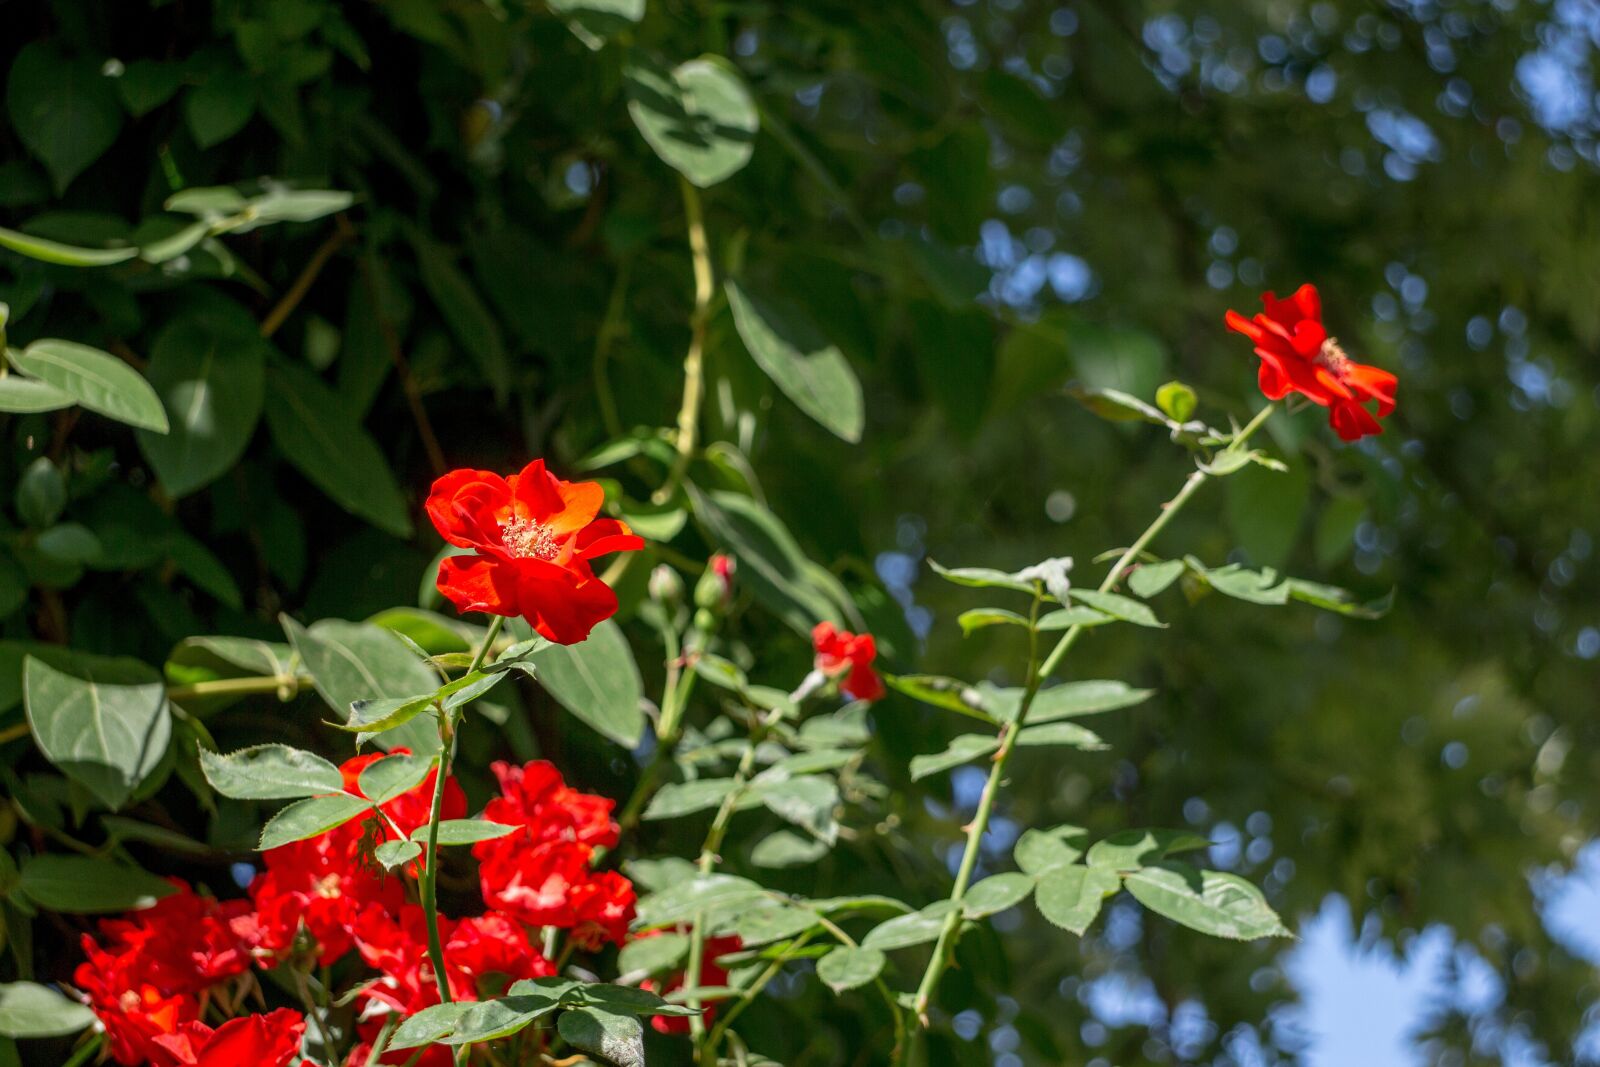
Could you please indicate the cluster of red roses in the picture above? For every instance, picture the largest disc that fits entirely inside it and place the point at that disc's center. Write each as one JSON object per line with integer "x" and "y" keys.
{"x": 150, "y": 975}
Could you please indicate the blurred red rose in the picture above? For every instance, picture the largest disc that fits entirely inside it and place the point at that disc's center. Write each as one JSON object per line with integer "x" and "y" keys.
{"x": 842, "y": 653}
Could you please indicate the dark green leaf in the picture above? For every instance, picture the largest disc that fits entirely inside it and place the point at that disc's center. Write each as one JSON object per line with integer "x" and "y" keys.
{"x": 319, "y": 436}
{"x": 1039, "y": 850}
{"x": 791, "y": 349}
{"x": 598, "y": 681}
{"x": 211, "y": 385}
{"x": 465, "y": 831}
{"x": 618, "y": 1038}
{"x": 1131, "y": 849}
{"x": 64, "y": 109}
{"x": 84, "y": 885}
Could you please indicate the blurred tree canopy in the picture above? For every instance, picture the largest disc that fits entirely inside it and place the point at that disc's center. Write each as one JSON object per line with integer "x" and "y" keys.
{"x": 976, "y": 202}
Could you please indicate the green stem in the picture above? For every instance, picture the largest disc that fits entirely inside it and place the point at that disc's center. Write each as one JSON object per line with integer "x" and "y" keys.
{"x": 708, "y": 862}
{"x": 1008, "y": 733}
{"x": 86, "y": 1051}
{"x": 269, "y": 683}
{"x": 429, "y": 889}
{"x": 694, "y": 360}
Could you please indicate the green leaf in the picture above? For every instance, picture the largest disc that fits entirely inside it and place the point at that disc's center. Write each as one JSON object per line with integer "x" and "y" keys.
{"x": 69, "y": 542}
{"x": 677, "y": 799}
{"x": 619, "y": 1038}
{"x": 1177, "y": 401}
{"x": 351, "y": 661}
{"x": 1131, "y": 849}
{"x": 1331, "y": 598}
{"x": 317, "y": 433}
{"x": 1061, "y": 733}
{"x": 41, "y": 493}
{"x": 1264, "y": 511}
{"x": 806, "y": 801}
{"x": 62, "y": 254}
{"x": 104, "y": 722}
{"x": 394, "y": 853}
{"x": 770, "y": 561}
{"x": 904, "y": 931}
{"x": 464, "y": 311}
{"x": 28, "y": 1009}
{"x": 996, "y": 893}
{"x": 598, "y": 681}
{"x": 465, "y": 831}
{"x": 219, "y": 108}
{"x": 699, "y": 117}
{"x": 1114, "y": 405}
{"x": 962, "y": 749}
{"x": 849, "y": 967}
{"x": 593, "y": 21}
{"x": 1265, "y": 586}
{"x": 768, "y": 921}
{"x": 270, "y": 772}
{"x": 695, "y": 893}
{"x": 654, "y": 955}
{"x": 983, "y": 578}
{"x": 310, "y": 817}
{"x": 785, "y": 848}
{"x": 427, "y": 1026}
{"x": 1068, "y": 700}
{"x": 978, "y": 618}
{"x": 1071, "y": 895}
{"x": 1039, "y": 850}
{"x": 63, "y": 108}
{"x": 1336, "y": 528}
{"x": 98, "y": 380}
{"x": 1148, "y": 579}
{"x": 23, "y": 395}
{"x": 82, "y": 885}
{"x": 370, "y": 717}
{"x": 1222, "y": 905}
{"x": 491, "y": 1020}
{"x": 283, "y": 204}
{"x": 949, "y": 693}
{"x": 789, "y": 347}
{"x": 211, "y": 384}
{"x": 389, "y": 777}
{"x": 1118, "y": 607}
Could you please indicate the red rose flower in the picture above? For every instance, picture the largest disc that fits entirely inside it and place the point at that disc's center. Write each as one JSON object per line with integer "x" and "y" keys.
{"x": 541, "y": 874}
{"x": 533, "y": 536}
{"x": 842, "y": 653}
{"x": 1298, "y": 356}
{"x": 271, "y": 1040}
{"x": 710, "y": 975}
{"x": 144, "y": 975}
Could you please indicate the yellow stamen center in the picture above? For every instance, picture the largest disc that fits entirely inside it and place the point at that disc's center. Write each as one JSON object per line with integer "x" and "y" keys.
{"x": 528, "y": 539}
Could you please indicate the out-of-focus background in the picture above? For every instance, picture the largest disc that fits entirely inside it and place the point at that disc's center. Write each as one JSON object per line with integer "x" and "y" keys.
{"x": 978, "y": 202}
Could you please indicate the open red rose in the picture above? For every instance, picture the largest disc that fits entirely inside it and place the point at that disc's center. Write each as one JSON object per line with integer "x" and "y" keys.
{"x": 1298, "y": 356}
{"x": 533, "y": 536}
{"x": 840, "y": 652}
{"x": 271, "y": 1040}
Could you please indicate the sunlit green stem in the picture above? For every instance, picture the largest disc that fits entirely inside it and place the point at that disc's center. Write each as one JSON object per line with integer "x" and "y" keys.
{"x": 449, "y": 723}
{"x": 1008, "y": 733}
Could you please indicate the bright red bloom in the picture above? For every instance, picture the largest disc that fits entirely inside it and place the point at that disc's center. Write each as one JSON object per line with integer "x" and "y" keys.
{"x": 541, "y": 873}
{"x": 533, "y": 536}
{"x": 842, "y": 653}
{"x": 1298, "y": 356}
{"x": 144, "y": 975}
{"x": 271, "y": 1040}
{"x": 710, "y": 975}
{"x": 475, "y": 950}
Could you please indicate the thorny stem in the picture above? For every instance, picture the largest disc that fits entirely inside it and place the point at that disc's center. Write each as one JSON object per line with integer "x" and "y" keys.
{"x": 1008, "y": 732}
{"x": 428, "y": 889}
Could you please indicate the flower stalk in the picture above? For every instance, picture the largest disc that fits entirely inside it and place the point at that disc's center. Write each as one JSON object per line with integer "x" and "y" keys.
{"x": 428, "y": 888}
{"x": 979, "y": 826}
